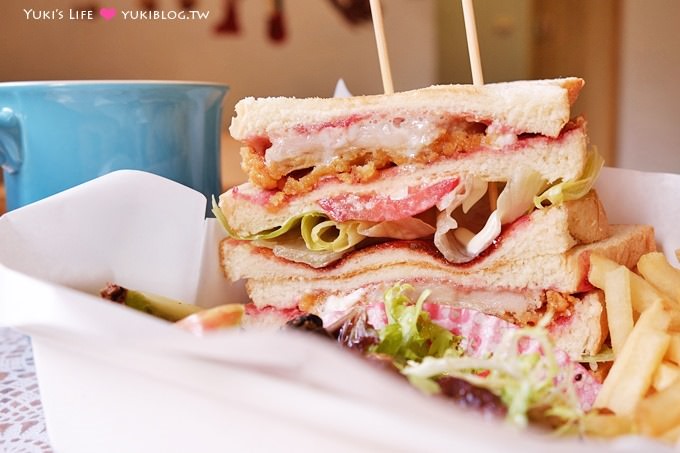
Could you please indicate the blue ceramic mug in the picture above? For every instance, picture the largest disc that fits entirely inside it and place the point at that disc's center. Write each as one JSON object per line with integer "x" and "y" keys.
{"x": 55, "y": 135}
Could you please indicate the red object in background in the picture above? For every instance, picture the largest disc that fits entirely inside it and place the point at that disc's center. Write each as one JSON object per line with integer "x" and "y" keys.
{"x": 229, "y": 23}
{"x": 187, "y": 4}
{"x": 149, "y": 5}
{"x": 354, "y": 11}
{"x": 277, "y": 23}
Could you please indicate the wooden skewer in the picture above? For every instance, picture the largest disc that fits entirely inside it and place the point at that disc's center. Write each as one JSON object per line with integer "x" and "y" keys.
{"x": 379, "y": 29}
{"x": 472, "y": 42}
{"x": 493, "y": 195}
{"x": 477, "y": 77}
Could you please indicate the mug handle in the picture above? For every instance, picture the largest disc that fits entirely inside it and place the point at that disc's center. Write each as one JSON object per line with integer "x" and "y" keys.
{"x": 10, "y": 140}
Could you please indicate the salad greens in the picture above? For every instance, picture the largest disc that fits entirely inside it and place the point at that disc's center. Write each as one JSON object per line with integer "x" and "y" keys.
{"x": 527, "y": 379}
{"x": 328, "y": 235}
{"x": 572, "y": 190}
{"x": 410, "y": 335}
{"x": 514, "y": 201}
{"x": 318, "y": 231}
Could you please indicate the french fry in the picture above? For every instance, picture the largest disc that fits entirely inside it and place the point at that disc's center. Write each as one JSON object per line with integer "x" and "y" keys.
{"x": 666, "y": 374}
{"x": 656, "y": 269}
{"x": 631, "y": 374}
{"x": 599, "y": 267}
{"x": 660, "y": 412}
{"x": 656, "y": 318}
{"x": 607, "y": 425}
{"x": 650, "y": 355}
{"x": 643, "y": 294}
{"x": 673, "y": 352}
{"x": 671, "y": 436}
{"x": 619, "y": 308}
{"x": 675, "y": 321}
{"x": 677, "y": 255}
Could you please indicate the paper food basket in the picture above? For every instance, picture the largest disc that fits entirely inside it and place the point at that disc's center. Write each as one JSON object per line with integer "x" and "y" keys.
{"x": 115, "y": 380}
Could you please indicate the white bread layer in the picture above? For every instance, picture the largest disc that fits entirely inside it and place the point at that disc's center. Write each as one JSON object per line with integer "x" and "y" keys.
{"x": 536, "y": 106}
{"x": 585, "y": 330}
{"x": 565, "y": 158}
{"x": 316, "y": 296}
{"x": 417, "y": 262}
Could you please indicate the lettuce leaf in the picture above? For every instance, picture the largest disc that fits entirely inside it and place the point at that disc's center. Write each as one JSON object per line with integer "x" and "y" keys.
{"x": 288, "y": 225}
{"x": 460, "y": 245}
{"x": 219, "y": 215}
{"x": 292, "y": 222}
{"x": 525, "y": 381}
{"x": 320, "y": 234}
{"x": 513, "y": 202}
{"x": 328, "y": 235}
{"x": 410, "y": 334}
{"x": 572, "y": 190}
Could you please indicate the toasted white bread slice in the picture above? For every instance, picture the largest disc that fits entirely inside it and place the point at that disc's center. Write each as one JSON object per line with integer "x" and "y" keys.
{"x": 535, "y": 106}
{"x": 582, "y": 330}
{"x": 248, "y": 209}
{"x": 514, "y": 287}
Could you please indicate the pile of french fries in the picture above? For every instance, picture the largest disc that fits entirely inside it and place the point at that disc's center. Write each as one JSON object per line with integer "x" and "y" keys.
{"x": 641, "y": 393}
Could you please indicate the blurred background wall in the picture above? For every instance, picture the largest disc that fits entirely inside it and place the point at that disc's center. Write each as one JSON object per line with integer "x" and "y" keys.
{"x": 648, "y": 135}
{"x": 627, "y": 50}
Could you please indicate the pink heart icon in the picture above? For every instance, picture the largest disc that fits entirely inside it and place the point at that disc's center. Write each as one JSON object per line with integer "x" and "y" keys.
{"x": 107, "y": 13}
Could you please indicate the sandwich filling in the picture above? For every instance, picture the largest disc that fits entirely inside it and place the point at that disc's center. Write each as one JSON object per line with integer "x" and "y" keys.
{"x": 517, "y": 289}
{"x": 462, "y": 216}
{"x": 521, "y": 307}
{"x": 426, "y": 341}
{"x": 355, "y": 149}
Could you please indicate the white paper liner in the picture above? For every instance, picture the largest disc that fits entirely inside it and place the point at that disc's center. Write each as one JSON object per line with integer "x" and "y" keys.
{"x": 113, "y": 379}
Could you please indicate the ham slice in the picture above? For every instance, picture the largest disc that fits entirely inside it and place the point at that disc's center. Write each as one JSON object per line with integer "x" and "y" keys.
{"x": 377, "y": 207}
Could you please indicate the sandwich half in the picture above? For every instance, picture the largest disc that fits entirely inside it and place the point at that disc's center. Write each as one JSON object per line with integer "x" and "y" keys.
{"x": 481, "y": 195}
